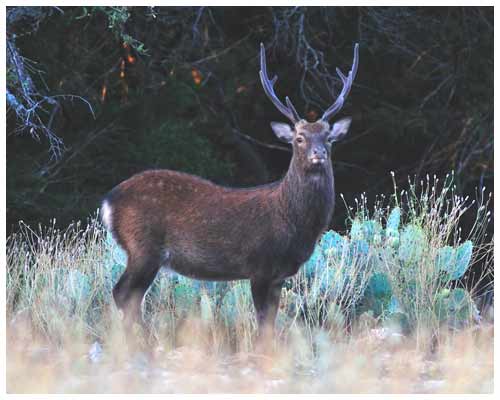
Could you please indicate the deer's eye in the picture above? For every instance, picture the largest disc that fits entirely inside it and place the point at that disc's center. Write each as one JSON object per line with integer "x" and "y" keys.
{"x": 299, "y": 139}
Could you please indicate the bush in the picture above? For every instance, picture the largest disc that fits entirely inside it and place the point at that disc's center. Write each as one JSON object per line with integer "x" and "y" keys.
{"x": 175, "y": 145}
{"x": 408, "y": 270}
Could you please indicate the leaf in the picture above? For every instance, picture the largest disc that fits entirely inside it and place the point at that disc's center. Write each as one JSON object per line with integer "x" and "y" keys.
{"x": 333, "y": 247}
{"x": 78, "y": 285}
{"x": 185, "y": 298}
{"x": 116, "y": 253}
{"x": 394, "y": 306}
{"x": 455, "y": 307}
{"x": 445, "y": 258}
{"x": 464, "y": 255}
{"x": 413, "y": 244}
{"x": 72, "y": 287}
{"x": 115, "y": 273}
{"x": 378, "y": 294}
{"x": 316, "y": 262}
{"x": 331, "y": 239}
{"x": 454, "y": 262}
{"x": 229, "y": 308}
{"x": 358, "y": 250}
{"x": 356, "y": 230}
{"x": 392, "y": 227}
{"x": 372, "y": 231}
{"x": 394, "y": 219}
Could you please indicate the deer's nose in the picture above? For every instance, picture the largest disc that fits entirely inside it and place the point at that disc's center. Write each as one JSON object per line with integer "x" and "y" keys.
{"x": 317, "y": 155}
{"x": 319, "y": 152}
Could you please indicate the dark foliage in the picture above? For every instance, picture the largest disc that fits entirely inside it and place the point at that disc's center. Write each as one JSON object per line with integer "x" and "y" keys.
{"x": 110, "y": 91}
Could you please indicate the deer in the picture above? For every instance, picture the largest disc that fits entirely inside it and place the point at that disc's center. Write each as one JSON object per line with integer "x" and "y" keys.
{"x": 201, "y": 230}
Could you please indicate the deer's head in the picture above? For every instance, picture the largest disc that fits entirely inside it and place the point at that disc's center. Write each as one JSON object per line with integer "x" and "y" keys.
{"x": 311, "y": 141}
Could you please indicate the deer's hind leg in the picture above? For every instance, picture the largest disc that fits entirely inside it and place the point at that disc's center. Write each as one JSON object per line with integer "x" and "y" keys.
{"x": 131, "y": 287}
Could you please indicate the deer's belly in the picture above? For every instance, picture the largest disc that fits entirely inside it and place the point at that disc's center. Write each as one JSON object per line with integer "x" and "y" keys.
{"x": 206, "y": 274}
{"x": 198, "y": 264}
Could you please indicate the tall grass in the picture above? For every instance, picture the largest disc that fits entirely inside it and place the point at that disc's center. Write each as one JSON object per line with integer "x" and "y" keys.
{"x": 59, "y": 292}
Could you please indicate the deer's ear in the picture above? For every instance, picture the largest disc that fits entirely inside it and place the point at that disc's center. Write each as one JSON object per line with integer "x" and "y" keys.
{"x": 283, "y": 131}
{"x": 339, "y": 129}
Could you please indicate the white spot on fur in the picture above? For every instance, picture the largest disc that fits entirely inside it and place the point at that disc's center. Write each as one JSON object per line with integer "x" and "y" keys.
{"x": 106, "y": 214}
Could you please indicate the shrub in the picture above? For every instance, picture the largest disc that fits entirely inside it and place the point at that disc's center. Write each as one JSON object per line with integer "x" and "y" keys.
{"x": 410, "y": 268}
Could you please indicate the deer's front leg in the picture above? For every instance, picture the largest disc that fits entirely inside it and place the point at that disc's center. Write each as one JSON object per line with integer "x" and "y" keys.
{"x": 266, "y": 298}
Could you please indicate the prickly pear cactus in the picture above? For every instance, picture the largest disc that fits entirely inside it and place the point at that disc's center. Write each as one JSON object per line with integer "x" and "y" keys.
{"x": 370, "y": 231}
{"x": 358, "y": 251}
{"x": 72, "y": 287}
{"x": 397, "y": 322}
{"x": 113, "y": 274}
{"x": 356, "y": 232}
{"x": 236, "y": 298}
{"x": 331, "y": 247}
{"x": 445, "y": 258}
{"x": 394, "y": 306}
{"x": 392, "y": 227}
{"x": 316, "y": 262}
{"x": 369, "y": 247}
{"x": 464, "y": 255}
{"x": 412, "y": 246}
{"x": 332, "y": 240}
{"x": 454, "y": 262}
{"x": 214, "y": 290}
{"x": 116, "y": 255}
{"x": 115, "y": 262}
{"x": 325, "y": 282}
{"x": 186, "y": 298}
{"x": 378, "y": 294}
{"x": 456, "y": 308}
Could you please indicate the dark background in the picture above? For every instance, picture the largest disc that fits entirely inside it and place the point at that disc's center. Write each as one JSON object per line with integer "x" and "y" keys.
{"x": 178, "y": 87}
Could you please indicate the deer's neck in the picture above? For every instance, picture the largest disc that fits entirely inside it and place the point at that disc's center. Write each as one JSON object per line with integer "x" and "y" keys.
{"x": 308, "y": 198}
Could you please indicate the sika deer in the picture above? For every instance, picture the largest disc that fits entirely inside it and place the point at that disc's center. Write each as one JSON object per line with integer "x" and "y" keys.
{"x": 205, "y": 231}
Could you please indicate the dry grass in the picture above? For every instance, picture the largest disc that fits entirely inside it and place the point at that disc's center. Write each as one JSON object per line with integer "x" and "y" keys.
{"x": 59, "y": 340}
{"x": 372, "y": 361}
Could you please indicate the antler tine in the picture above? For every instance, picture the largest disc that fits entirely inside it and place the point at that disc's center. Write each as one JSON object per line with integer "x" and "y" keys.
{"x": 346, "y": 88}
{"x": 292, "y": 109}
{"x": 289, "y": 110}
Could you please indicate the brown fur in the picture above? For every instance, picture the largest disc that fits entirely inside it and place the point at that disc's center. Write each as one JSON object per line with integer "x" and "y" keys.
{"x": 206, "y": 231}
